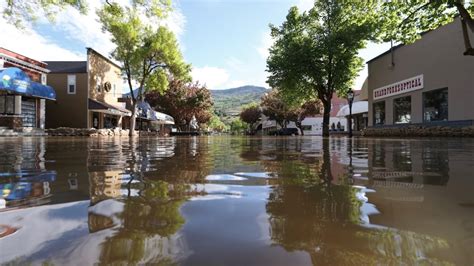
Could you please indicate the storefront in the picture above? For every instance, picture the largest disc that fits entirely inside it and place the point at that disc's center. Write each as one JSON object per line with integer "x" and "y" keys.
{"x": 104, "y": 115}
{"x": 429, "y": 82}
{"x": 22, "y": 101}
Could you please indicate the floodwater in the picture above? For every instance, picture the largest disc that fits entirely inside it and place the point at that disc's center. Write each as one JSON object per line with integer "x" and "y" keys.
{"x": 236, "y": 201}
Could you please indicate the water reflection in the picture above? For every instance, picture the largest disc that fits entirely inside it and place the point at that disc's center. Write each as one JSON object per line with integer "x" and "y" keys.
{"x": 242, "y": 201}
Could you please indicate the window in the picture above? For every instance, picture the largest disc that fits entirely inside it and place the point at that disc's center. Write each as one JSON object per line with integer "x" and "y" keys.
{"x": 71, "y": 84}
{"x": 306, "y": 127}
{"x": 402, "y": 110}
{"x": 379, "y": 113}
{"x": 7, "y": 104}
{"x": 435, "y": 105}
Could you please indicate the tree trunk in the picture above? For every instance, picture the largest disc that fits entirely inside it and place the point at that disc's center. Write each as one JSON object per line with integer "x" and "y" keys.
{"x": 467, "y": 42}
{"x": 326, "y": 165}
{"x": 326, "y": 117}
{"x": 133, "y": 119}
{"x": 300, "y": 127}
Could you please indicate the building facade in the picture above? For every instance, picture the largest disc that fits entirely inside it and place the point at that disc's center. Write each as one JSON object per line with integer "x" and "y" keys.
{"x": 87, "y": 93}
{"x": 429, "y": 82}
{"x": 23, "y": 92}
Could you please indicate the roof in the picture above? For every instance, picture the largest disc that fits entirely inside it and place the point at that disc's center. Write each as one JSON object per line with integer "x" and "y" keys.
{"x": 103, "y": 56}
{"x": 67, "y": 66}
{"x": 97, "y": 105}
{"x": 386, "y": 52}
{"x": 22, "y": 57}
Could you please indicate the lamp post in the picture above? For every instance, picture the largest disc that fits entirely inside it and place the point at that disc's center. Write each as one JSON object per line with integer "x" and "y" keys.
{"x": 350, "y": 99}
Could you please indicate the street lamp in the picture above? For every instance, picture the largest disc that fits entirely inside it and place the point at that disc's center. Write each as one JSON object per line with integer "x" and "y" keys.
{"x": 350, "y": 99}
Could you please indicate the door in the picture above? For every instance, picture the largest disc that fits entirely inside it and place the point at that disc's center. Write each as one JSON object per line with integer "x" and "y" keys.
{"x": 28, "y": 111}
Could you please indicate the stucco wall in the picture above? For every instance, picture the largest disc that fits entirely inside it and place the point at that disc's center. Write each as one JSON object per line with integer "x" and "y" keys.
{"x": 69, "y": 110}
{"x": 438, "y": 55}
{"x": 100, "y": 72}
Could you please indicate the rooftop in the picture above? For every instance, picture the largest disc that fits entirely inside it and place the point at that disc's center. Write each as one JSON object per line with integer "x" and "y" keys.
{"x": 67, "y": 66}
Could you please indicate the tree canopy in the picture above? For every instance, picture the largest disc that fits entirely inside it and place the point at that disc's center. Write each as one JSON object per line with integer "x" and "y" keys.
{"x": 250, "y": 114}
{"x": 275, "y": 108}
{"x": 315, "y": 52}
{"x": 21, "y": 12}
{"x": 405, "y": 21}
{"x": 149, "y": 54}
{"x": 183, "y": 100}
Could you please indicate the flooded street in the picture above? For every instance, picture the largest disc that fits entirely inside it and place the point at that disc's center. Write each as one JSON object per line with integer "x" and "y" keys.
{"x": 237, "y": 201}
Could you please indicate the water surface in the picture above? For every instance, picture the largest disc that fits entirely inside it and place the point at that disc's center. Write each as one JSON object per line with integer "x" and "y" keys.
{"x": 236, "y": 201}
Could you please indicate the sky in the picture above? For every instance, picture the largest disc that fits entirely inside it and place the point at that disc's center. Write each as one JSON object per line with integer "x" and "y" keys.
{"x": 225, "y": 41}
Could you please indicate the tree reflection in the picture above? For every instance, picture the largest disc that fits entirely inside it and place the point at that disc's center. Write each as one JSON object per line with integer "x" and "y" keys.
{"x": 145, "y": 227}
{"x": 309, "y": 211}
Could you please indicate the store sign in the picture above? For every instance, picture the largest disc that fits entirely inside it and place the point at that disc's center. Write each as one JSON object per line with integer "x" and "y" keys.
{"x": 400, "y": 87}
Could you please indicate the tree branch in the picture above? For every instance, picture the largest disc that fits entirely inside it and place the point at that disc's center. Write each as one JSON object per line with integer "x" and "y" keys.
{"x": 465, "y": 16}
{"x": 467, "y": 42}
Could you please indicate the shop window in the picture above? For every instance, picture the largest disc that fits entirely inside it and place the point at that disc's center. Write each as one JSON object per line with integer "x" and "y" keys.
{"x": 435, "y": 105}
{"x": 379, "y": 113}
{"x": 71, "y": 84}
{"x": 402, "y": 110}
{"x": 7, "y": 104}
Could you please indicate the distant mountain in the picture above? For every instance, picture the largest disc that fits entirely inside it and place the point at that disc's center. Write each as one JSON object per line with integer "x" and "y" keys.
{"x": 228, "y": 102}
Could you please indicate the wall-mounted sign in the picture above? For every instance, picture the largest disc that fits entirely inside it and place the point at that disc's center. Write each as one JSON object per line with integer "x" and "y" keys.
{"x": 404, "y": 86}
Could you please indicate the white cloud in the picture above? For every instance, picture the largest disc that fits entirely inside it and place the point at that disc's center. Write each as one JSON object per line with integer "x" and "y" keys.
{"x": 212, "y": 77}
{"x": 85, "y": 30}
{"x": 266, "y": 42}
{"x": 236, "y": 83}
{"x": 305, "y": 5}
{"x": 235, "y": 64}
{"x": 34, "y": 45}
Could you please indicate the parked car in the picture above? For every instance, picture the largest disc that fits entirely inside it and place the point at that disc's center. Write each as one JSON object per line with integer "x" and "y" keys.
{"x": 288, "y": 132}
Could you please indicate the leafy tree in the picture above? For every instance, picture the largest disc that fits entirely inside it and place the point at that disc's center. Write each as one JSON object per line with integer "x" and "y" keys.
{"x": 182, "y": 101}
{"x": 149, "y": 55}
{"x": 405, "y": 21}
{"x": 215, "y": 124}
{"x": 315, "y": 52}
{"x": 275, "y": 108}
{"x": 299, "y": 113}
{"x": 19, "y": 12}
{"x": 237, "y": 126}
{"x": 251, "y": 114}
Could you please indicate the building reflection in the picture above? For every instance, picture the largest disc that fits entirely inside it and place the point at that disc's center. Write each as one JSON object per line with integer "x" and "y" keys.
{"x": 381, "y": 201}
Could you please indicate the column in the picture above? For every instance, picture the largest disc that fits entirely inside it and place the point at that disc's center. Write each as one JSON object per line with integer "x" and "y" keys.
{"x": 17, "y": 104}
{"x": 42, "y": 113}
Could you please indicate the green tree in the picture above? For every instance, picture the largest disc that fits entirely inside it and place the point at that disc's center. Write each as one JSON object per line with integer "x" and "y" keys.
{"x": 237, "y": 126}
{"x": 405, "y": 21}
{"x": 315, "y": 52}
{"x": 251, "y": 114}
{"x": 149, "y": 55}
{"x": 19, "y": 12}
{"x": 215, "y": 124}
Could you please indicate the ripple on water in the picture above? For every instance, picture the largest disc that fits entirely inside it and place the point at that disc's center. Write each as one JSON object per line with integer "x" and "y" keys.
{"x": 225, "y": 177}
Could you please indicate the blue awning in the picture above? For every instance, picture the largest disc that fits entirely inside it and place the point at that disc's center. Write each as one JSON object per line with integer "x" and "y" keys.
{"x": 14, "y": 80}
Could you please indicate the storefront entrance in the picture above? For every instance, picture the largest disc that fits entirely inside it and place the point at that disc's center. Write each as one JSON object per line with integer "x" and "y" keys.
{"x": 28, "y": 112}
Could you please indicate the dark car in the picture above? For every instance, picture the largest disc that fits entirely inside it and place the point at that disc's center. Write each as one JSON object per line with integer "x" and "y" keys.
{"x": 288, "y": 132}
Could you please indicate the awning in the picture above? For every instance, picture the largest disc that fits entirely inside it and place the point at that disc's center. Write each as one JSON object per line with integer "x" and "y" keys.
{"x": 357, "y": 108}
{"x": 106, "y": 108}
{"x": 16, "y": 81}
{"x": 146, "y": 112}
{"x": 164, "y": 118}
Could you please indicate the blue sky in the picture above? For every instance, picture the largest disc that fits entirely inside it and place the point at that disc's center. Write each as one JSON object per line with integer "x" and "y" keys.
{"x": 226, "y": 41}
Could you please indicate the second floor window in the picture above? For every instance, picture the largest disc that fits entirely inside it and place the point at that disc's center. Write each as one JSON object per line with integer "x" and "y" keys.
{"x": 71, "y": 84}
